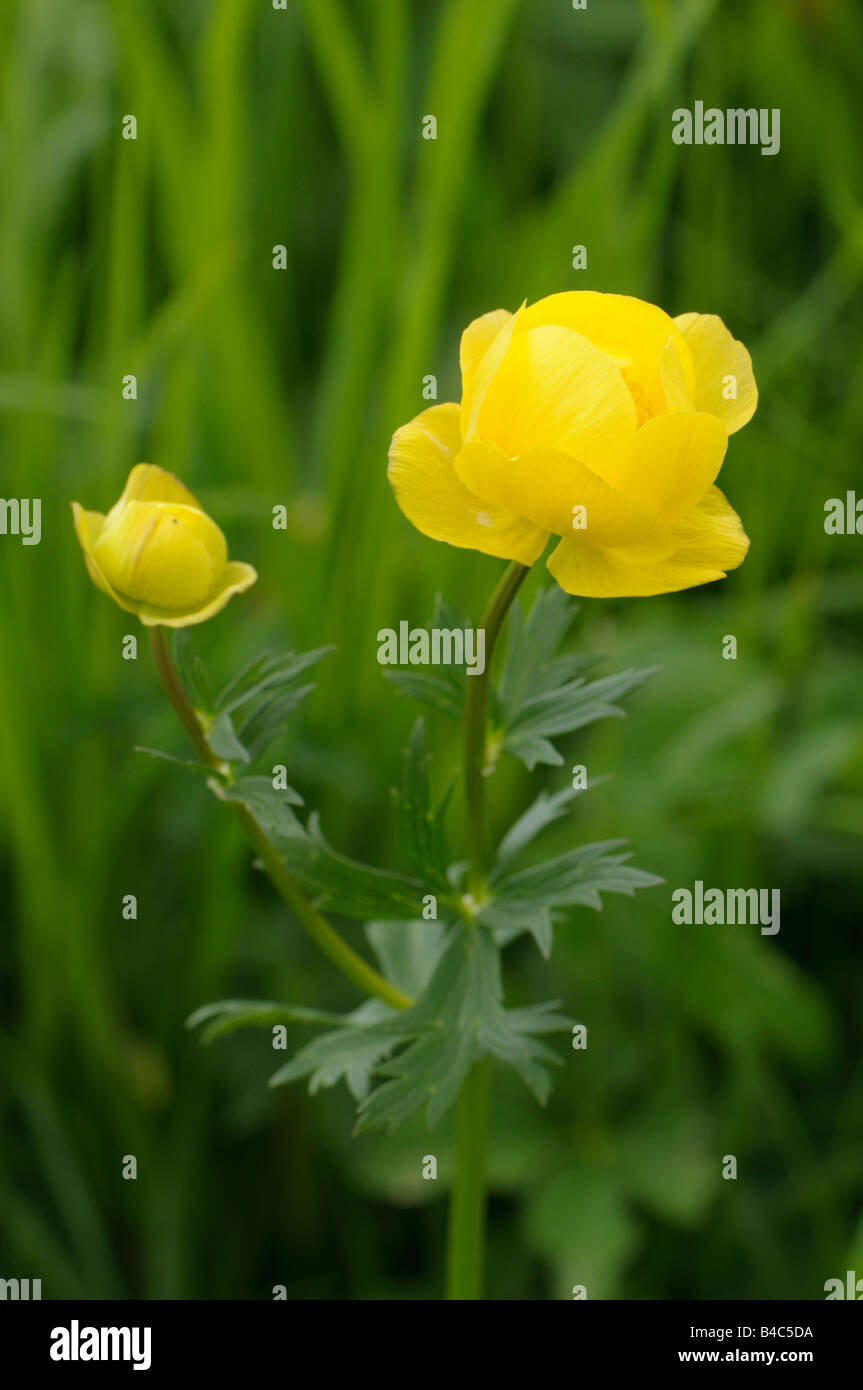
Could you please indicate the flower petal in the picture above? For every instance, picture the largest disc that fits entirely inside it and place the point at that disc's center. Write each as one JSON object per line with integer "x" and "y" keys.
{"x": 710, "y": 541}
{"x": 436, "y": 501}
{"x": 88, "y": 527}
{"x": 630, "y": 330}
{"x": 158, "y": 553}
{"x": 716, "y": 355}
{"x": 673, "y": 462}
{"x": 482, "y": 373}
{"x": 554, "y": 389}
{"x": 476, "y": 339}
{"x": 236, "y": 578}
{"x": 711, "y": 534}
{"x": 677, "y": 384}
{"x": 147, "y": 482}
{"x": 547, "y": 487}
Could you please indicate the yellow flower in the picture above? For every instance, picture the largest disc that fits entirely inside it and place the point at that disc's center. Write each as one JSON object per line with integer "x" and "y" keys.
{"x": 158, "y": 555}
{"x": 595, "y": 418}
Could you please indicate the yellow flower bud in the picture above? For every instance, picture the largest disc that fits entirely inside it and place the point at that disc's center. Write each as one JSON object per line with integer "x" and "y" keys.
{"x": 595, "y": 418}
{"x": 158, "y": 555}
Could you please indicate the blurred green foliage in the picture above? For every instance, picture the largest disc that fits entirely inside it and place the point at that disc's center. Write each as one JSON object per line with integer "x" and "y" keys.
{"x": 259, "y": 127}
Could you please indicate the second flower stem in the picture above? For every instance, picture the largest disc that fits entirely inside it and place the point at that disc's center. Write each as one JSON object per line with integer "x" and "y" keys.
{"x": 316, "y": 925}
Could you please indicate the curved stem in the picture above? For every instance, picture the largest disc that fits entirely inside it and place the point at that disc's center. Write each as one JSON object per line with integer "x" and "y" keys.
{"x": 173, "y": 688}
{"x": 467, "y": 1218}
{"x": 317, "y": 927}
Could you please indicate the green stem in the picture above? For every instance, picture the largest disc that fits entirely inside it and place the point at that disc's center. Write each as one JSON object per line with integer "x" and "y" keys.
{"x": 466, "y": 1250}
{"x": 317, "y": 927}
{"x": 467, "y": 1217}
{"x": 476, "y": 730}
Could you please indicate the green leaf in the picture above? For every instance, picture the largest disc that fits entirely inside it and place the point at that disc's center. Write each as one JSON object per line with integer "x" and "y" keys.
{"x": 272, "y": 807}
{"x": 344, "y": 1052}
{"x": 264, "y": 673}
{"x": 407, "y": 951}
{"x": 189, "y": 764}
{"x": 575, "y": 878}
{"x": 444, "y": 691}
{"x": 268, "y": 721}
{"x": 532, "y": 644}
{"x": 457, "y": 1020}
{"x": 523, "y": 901}
{"x": 349, "y": 1053}
{"x": 420, "y": 832}
{"x": 191, "y": 671}
{"x": 345, "y": 886}
{"x": 428, "y": 690}
{"x": 508, "y": 924}
{"x": 223, "y": 741}
{"x": 265, "y": 692}
{"x": 542, "y": 812}
{"x": 531, "y": 750}
{"x": 227, "y": 1015}
{"x": 563, "y": 710}
{"x": 541, "y": 695}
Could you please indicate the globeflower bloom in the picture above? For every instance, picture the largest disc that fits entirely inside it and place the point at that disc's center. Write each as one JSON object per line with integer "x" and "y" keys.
{"x": 596, "y": 418}
{"x": 157, "y": 553}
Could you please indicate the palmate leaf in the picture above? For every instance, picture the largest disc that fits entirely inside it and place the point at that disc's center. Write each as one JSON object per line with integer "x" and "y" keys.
{"x": 420, "y": 832}
{"x": 252, "y": 709}
{"x": 540, "y": 695}
{"x": 542, "y": 812}
{"x": 408, "y": 953}
{"x": 343, "y": 885}
{"x": 272, "y": 807}
{"x": 264, "y": 674}
{"x": 188, "y": 763}
{"x": 576, "y": 877}
{"x": 533, "y": 641}
{"x": 223, "y": 741}
{"x": 348, "y": 1053}
{"x": 433, "y": 691}
{"x": 574, "y": 704}
{"x": 425, "y": 1052}
{"x": 508, "y": 922}
{"x": 345, "y": 1052}
{"x": 525, "y": 900}
{"x": 228, "y": 1015}
{"x": 267, "y": 722}
{"x": 458, "y": 1020}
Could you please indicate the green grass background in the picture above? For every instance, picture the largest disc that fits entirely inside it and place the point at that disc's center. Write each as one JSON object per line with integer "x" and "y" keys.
{"x": 301, "y": 127}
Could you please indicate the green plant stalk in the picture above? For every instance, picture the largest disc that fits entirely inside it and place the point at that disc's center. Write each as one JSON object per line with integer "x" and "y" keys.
{"x": 467, "y": 1217}
{"x": 476, "y": 731}
{"x": 466, "y": 1245}
{"x": 317, "y": 927}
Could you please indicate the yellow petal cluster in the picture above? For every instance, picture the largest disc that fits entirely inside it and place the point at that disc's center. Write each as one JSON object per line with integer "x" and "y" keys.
{"x": 157, "y": 553}
{"x": 595, "y": 418}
